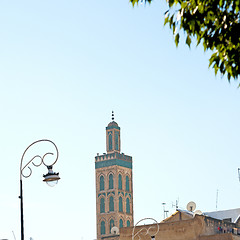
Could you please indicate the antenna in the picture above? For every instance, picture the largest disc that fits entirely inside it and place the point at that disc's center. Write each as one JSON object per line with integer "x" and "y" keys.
{"x": 191, "y": 206}
{"x": 14, "y": 235}
{"x": 217, "y": 200}
{"x": 165, "y": 212}
{"x": 176, "y": 205}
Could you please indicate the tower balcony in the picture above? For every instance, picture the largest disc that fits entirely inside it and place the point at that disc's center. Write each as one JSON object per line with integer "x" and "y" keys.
{"x": 116, "y": 155}
{"x": 111, "y": 159}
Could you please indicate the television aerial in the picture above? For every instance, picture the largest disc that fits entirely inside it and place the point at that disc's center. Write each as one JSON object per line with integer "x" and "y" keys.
{"x": 191, "y": 206}
{"x": 115, "y": 230}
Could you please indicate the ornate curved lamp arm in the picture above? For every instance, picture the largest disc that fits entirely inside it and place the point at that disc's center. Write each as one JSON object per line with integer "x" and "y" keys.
{"x": 147, "y": 229}
{"x": 37, "y": 156}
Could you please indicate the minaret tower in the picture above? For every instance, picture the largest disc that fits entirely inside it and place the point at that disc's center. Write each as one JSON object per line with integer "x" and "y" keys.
{"x": 114, "y": 192}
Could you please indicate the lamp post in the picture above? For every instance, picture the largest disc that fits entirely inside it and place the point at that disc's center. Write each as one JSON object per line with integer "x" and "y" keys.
{"x": 51, "y": 178}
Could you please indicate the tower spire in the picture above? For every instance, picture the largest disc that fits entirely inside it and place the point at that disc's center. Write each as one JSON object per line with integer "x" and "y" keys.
{"x": 113, "y": 136}
{"x": 113, "y": 115}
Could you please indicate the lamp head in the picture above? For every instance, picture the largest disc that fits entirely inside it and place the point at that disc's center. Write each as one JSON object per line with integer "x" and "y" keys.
{"x": 51, "y": 178}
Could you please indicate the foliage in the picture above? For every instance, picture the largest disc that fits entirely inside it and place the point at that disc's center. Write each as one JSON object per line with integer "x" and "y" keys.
{"x": 137, "y": 1}
{"x": 213, "y": 23}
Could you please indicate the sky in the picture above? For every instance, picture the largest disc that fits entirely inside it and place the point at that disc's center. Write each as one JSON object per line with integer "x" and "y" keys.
{"x": 64, "y": 66}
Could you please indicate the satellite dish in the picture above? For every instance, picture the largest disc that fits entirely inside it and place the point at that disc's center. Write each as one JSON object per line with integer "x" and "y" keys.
{"x": 114, "y": 230}
{"x": 191, "y": 206}
{"x": 197, "y": 212}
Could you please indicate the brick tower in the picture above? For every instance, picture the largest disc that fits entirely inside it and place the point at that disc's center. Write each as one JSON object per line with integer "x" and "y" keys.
{"x": 114, "y": 192}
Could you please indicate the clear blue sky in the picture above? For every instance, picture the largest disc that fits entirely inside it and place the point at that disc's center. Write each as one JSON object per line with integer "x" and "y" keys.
{"x": 64, "y": 66}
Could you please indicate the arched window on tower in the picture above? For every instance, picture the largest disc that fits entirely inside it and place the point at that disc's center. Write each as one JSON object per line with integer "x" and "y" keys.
{"x": 110, "y": 141}
{"x": 120, "y": 181}
{"x": 103, "y": 230}
{"x": 101, "y": 183}
{"x": 102, "y": 205}
{"x": 128, "y": 223}
{"x": 111, "y": 204}
{"x": 120, "y": 204}
{"x": 116, "y": 141}
{"x": 120, "y": 223}
{"x": 110, "y": 181}
{"x": 111, "y": 225}
{"x": 127, "y": 183}
{"x": 127, "y": 206}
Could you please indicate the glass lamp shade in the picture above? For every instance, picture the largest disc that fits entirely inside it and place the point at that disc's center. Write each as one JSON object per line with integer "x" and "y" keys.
{"x": 52, "y": 183}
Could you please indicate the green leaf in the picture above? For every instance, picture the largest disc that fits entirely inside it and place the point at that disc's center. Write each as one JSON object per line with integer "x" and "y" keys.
{"x": 134, "y": 2}
{"x": 177, "y": 39}
{"x": 171, "y": 21}
{"x": 166, "y": 20}
{"x": 170, "y": 3}
{"x": 216, "y": 68}
{"x": 166, "y": 14}
{"x": 174, "y": 27}
{"x": 188, "y": 40}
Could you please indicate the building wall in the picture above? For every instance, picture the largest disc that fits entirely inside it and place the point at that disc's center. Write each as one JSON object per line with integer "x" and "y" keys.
{"x": 197, "y": 228}
{"x": 178, "y": 216}
{"x": 213, "y": 226}
{"x": 225, "y": 236}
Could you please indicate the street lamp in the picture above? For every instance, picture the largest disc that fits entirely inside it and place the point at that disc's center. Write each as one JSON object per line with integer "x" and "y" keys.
{"x": 51, "y": 178}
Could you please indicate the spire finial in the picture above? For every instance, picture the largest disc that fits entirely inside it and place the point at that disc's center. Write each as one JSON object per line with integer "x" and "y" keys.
{"x": 113, "y": 115}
